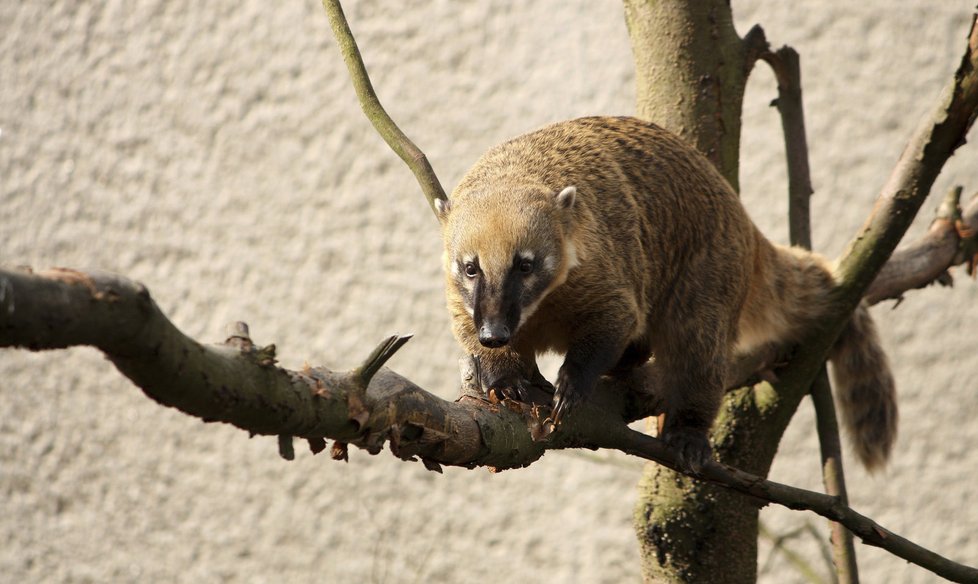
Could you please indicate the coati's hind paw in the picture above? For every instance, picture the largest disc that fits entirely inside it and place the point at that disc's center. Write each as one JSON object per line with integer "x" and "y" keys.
{"x": 692, "y": 448}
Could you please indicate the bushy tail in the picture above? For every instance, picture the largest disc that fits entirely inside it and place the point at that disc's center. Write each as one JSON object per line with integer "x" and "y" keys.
{"x": 865, "y": 390}
{"x": 790, "y": 289}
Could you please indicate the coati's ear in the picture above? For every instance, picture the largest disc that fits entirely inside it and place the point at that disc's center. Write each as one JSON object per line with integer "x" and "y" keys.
{"x": 442, "y": 208}
{"x": 565, "y": 198}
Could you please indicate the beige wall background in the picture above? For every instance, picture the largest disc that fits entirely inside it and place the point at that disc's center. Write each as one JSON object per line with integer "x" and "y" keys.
{"x": 215, "y": 152}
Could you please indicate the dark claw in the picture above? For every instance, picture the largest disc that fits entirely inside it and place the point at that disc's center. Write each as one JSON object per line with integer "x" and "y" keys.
{"x": 565, "y": 399}
{"x": 515, "y": 391}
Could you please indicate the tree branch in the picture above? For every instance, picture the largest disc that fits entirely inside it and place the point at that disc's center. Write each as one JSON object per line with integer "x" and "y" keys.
{"x": 833, "y": 476}
{"x": 951, "y": 240}
{"x": 786, "y": 65}
{"x": 375, "y": 112}
{"x": 238, "y": 383}
{"x": 827, "y": 506}
{"x": 935, "y": 140}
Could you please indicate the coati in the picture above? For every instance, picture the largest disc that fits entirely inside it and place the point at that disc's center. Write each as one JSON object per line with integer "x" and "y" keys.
{"x": 610, "y": 240}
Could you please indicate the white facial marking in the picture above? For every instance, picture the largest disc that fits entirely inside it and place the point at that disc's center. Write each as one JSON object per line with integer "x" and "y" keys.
{"x": 527, "y": 255}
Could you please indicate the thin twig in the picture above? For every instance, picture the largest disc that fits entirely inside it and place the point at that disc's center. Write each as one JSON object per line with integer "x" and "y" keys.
{"x": 787, "y": 68}
{"x": 385, "y": 126}
{"x": 786, "y": 65}
{"x": 779, "y": 545}
{"x": 833, "y": 477}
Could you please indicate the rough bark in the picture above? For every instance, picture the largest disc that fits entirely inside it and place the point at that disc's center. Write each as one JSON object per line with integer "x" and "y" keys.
{"x": 692, "y": 532}
{"x": 691, "y": 70}
{"x": 690, "y": 73}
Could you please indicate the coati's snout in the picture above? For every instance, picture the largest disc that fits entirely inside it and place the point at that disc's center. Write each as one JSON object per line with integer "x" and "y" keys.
{"x": 496, "y": 310}
{"x": 493, "y": 335}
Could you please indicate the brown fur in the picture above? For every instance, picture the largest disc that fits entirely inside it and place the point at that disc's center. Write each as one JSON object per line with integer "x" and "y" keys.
{"x": 653, "y": 255}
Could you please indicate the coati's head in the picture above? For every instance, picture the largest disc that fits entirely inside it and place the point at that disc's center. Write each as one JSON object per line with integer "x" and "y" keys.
{"x": 505, "y": 250}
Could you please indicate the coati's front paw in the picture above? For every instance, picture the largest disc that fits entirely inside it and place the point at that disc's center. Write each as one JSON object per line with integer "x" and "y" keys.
{"x": 692, "y": 447}
{"x": 514, "y": 388}
{"x": 567, "y": 395}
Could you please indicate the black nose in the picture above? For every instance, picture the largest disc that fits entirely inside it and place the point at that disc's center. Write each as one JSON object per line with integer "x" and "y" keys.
{"x": 493, "y": 336}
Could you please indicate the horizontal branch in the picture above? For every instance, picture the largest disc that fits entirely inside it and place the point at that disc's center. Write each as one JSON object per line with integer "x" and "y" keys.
{"x": 238, "y": 382}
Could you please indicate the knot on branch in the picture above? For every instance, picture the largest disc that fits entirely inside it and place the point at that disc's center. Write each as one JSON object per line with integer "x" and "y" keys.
{"x": 239, "y": 338}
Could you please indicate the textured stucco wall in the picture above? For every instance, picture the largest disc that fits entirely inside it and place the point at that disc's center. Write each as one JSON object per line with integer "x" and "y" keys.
{"x": 215, "y": 152}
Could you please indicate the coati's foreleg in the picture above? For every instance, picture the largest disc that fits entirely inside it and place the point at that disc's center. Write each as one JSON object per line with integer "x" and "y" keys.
{"x": 594, "y": 352}
{"x": 636, "y": 354}
{"x": 510, "y": 373}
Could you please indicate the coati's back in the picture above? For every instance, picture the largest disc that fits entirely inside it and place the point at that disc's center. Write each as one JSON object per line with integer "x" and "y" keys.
{"x": 646, "y": 206}
{"x": 609, "y": 239}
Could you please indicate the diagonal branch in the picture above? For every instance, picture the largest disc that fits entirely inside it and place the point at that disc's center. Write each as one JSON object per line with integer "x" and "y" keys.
{"x": 375, "y": 112}
{"x": 238, "y": 383}
{"x": 937, "y": 137}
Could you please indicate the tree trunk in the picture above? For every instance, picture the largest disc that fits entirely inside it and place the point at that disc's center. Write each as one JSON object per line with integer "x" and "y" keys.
{"x": 691, "y": 72}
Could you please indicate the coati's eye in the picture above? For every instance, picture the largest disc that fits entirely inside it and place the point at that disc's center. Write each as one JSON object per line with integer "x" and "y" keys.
{"x": 526, "y": 266}
{"x": 470, "y": 270}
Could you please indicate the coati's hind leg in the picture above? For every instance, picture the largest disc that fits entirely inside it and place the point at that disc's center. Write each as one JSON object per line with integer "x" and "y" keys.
{"x": 692, "y": 360}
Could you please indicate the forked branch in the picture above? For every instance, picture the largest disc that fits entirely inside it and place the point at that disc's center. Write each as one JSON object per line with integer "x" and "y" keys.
{"x": 939, "y": 134}
{"x": 937, "y": 137}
